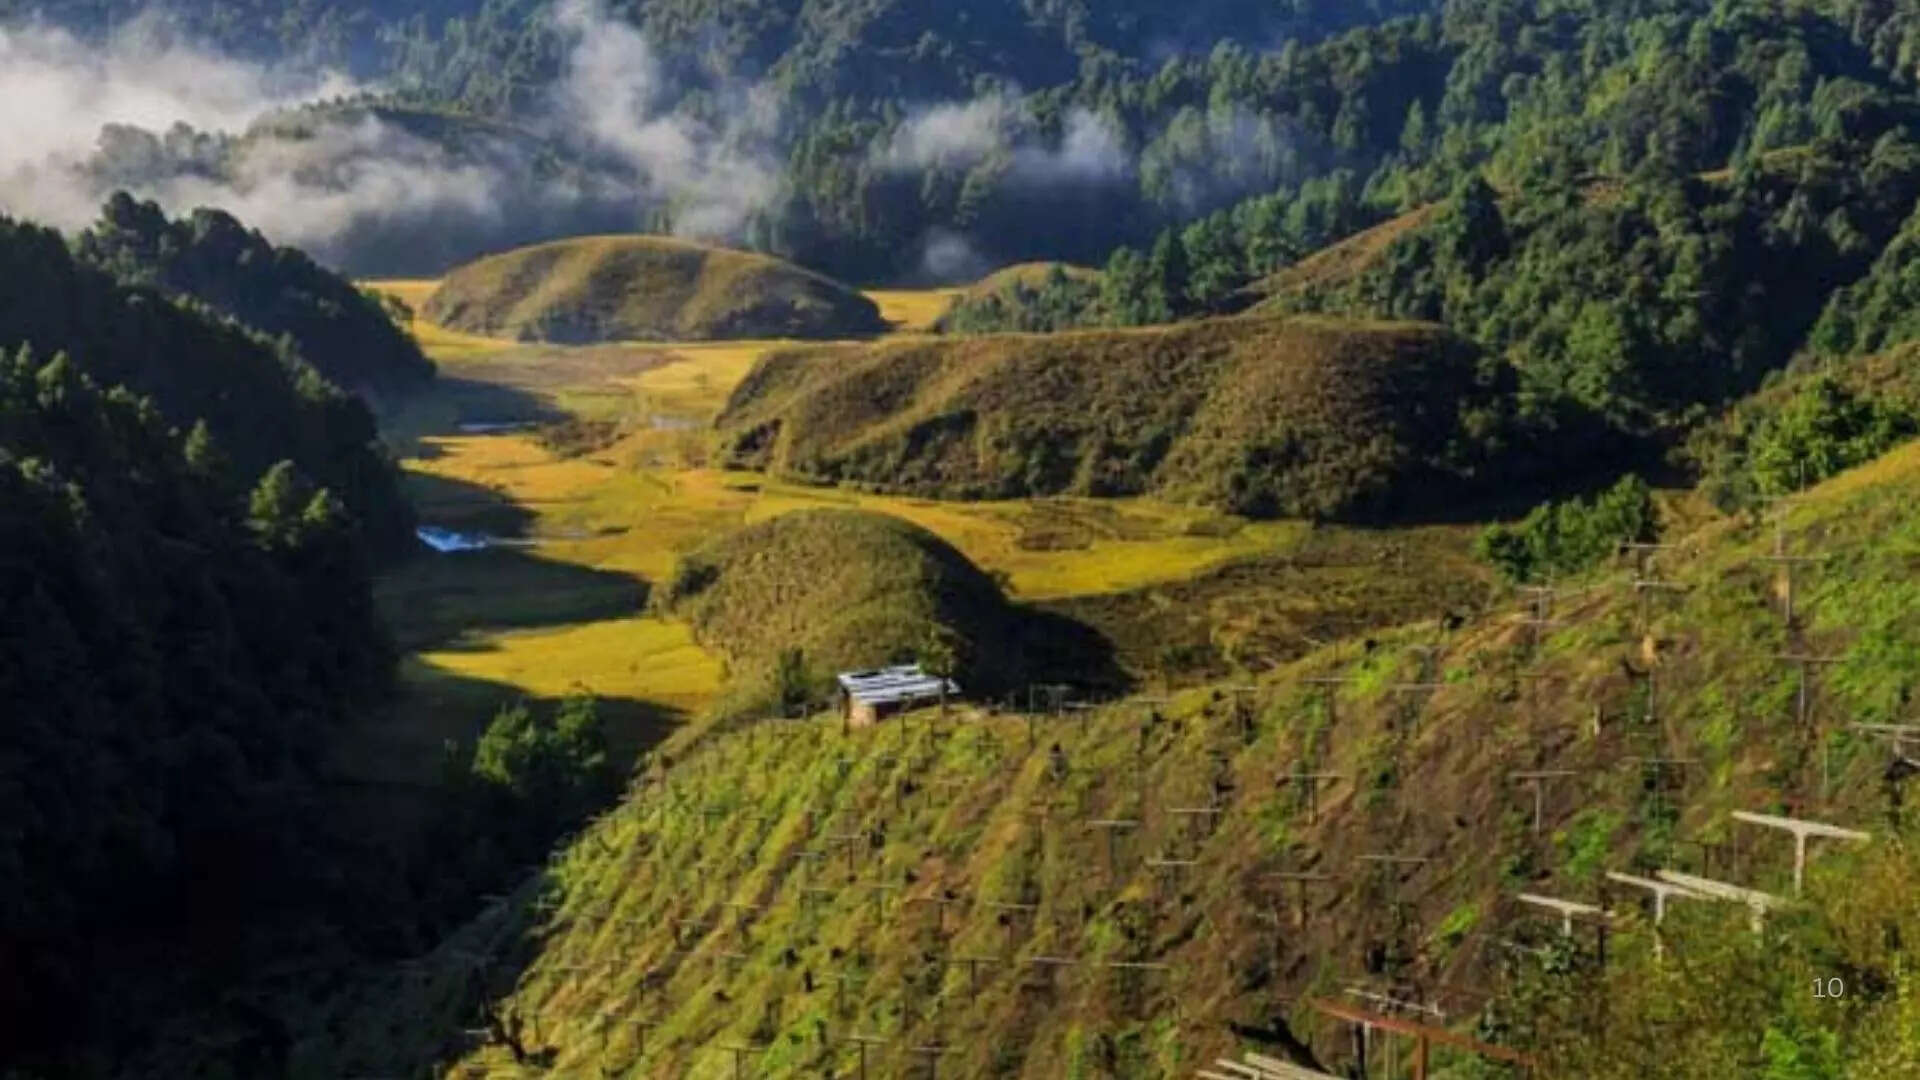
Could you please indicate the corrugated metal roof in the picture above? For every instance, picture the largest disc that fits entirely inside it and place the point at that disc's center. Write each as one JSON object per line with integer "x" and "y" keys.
{"x": 892, "y": 685}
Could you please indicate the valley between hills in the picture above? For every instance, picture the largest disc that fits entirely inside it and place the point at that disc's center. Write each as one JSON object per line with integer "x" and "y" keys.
{"x": 993, "y": 540}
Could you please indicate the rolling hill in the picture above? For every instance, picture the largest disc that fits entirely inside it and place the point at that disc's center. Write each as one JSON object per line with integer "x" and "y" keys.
{"x": 1295, "y": 417}
{"x": 1333, "y": 265}
{"x": 645, "y": 288}
{"x": 1029, "y": 275}
{"x": 981, "y": 915}
{"x": 853, "y": 589}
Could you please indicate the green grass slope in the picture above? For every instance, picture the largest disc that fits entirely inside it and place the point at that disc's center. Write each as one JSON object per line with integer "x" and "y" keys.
{"x": 645, "y": 288}
{"x": 853, "y": 589}
{"x": 1262, "y": 417}
{"x": 720, "y": 908}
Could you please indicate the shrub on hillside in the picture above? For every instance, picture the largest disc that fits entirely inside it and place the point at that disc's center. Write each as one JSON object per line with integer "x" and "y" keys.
{"x": 1780, "y": 445}
{"x": 1570, "y": 536}
{"x": 551, "y": 768}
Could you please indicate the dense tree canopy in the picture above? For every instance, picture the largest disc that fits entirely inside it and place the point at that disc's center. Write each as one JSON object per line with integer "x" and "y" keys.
{"x": 260, "y": 401}
{"x": 345, "y": 334}
{"x": 173, "y": 654}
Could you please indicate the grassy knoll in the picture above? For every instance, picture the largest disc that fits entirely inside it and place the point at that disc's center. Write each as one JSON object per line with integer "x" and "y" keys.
{"x": 853, "y": 589}
{"x": 1291, "y": 417}
{"x": 1029, "y": 274}
{"x": 689, "y": 909}
{"x": 644, "y": 288}
{"x": 1337, "y": 263}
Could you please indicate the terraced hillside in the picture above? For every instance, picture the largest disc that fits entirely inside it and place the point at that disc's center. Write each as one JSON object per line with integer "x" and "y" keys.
{"x": 1263, "y": 417}
{"x": 1096, "y": 895}
{"x": 645, "y": 288}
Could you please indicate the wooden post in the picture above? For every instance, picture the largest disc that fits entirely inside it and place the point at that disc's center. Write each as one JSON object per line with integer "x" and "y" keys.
{"x": 1243, "y": 707}
{"x": 1192, "y": 814}
{"x": 1084, "y": 711}
{"x": 1332, "y": 693}
{"x": 942, "y": 901}
{"x": 1007, "y": 913}
{"x": 863, "y": 1042}
{"x": 1407, "y": 689}
{"x": 1049, "y": 964}
{"x": 739, "y": 1058}
{"x": 1538, "y": 780}
{"x": 1422, "y": 1035}
{"x": 973, "y": 973}
{"x": 1788, "y": 563}
{"x": 1660, "y": 767}
{"x": 1759, "y": 903}
{"x": 1644, "y": 555}
{"x": 1802, "y": 707}
{"x": 1644, "y": 589}
{"x": 933, "y": 1054}
{"x": 1662, "y": 892}
{"x": 1393, "y": 863}
{"x": 1309, "y": 788}
{"x": 1301, "y": 881}
{"x": 1112, "y": 828}
{"x": 1801, "y": 830}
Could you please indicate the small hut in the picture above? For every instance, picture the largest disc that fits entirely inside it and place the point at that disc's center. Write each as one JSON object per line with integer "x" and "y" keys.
{"x": 867, "y": 697}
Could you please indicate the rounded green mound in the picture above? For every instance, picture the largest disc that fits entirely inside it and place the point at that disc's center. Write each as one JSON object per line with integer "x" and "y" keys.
{"x": 645, "y": 288}
{"x": 848, "y": 589}
{"x": 1300, "y": 417}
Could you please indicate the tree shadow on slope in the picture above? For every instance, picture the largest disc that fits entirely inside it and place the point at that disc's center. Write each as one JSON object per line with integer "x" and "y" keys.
{"x": 435, "y": 597}
{"x": 1054, "y": 647}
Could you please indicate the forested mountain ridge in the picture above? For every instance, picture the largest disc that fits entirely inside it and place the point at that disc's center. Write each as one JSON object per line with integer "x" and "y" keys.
{"x": 261, "y": 404}
{"x": 346, "y": 335}
{"x": 179, "y": 642}
{"x": 884, "y": 139}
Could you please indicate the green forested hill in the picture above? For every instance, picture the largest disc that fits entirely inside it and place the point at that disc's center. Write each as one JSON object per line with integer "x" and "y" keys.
{"x": 174, "y": 655}
{"x": 346, "y": 335}
{"x": 901, "y": 138}
{"x": 261, "y": 405}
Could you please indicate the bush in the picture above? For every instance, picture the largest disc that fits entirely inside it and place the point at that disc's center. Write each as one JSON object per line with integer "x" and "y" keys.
{"x": 1782, "y": 443}
{"x": 1568, "y": 537}
{"x": 553, "y": 768}
{"x": 1823, "y": 430}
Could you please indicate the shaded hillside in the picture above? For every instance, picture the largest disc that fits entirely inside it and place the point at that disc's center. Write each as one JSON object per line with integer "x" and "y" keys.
{"x": 645, "y": 288}
{"x": 852, "y": 590}
{"x": 345, "y": 334}
{"x": 260, "y": 405}
{"x": 178, "y": 644}
{"x": 982, "y": 913}
{"x": 1296, "y": 417}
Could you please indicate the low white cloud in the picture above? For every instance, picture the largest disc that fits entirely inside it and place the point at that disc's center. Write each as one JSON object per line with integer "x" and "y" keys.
{"x": 615, "y": 94}
{"x": 186, "y": 126}
{"x": 996, "y": 128}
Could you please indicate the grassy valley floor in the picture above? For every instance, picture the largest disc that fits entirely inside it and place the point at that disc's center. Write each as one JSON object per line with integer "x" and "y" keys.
{"x": 602, "y": 506}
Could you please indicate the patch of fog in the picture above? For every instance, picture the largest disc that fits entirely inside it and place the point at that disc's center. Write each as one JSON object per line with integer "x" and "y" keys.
{"x": 496, "y": 427}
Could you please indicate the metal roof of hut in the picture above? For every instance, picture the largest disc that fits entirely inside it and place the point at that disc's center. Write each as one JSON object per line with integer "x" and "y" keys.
{"x": 893, "y": 685}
